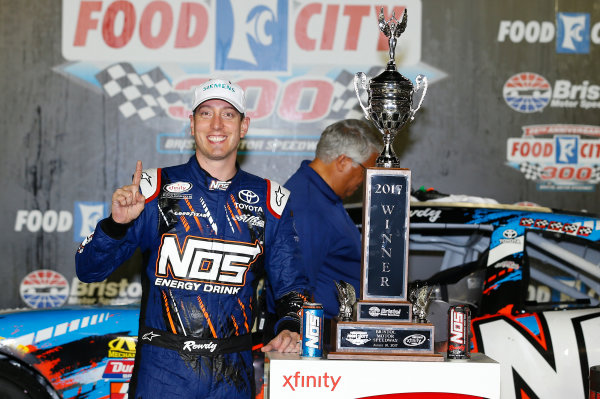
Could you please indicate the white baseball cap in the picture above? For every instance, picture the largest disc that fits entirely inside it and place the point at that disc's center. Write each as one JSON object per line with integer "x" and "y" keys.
{"x": 220, "y": 89}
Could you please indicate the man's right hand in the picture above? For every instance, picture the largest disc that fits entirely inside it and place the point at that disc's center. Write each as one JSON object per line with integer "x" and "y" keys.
{"x": 127, "y": 201}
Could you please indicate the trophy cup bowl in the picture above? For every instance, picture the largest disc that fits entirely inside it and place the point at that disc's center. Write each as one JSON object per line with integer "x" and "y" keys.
{"x": 390, "y": 95}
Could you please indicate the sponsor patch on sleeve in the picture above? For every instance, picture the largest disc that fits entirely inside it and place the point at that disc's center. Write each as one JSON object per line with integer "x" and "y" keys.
{"x": 277, "y": 198}
{"x": 150, "y": 183}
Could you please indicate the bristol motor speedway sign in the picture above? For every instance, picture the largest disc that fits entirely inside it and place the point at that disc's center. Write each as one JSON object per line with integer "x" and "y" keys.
{"x": 558, "y": 157}
{"x": 145, "y": 56}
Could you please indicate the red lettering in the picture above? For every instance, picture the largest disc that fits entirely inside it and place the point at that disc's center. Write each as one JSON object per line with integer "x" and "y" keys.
{"x": 322, "y": 93}
{"x": 566, "y": 173}
{"x": 356, "y": 14}
{"x": 265, "y": 100}
{"x": 329, "y": 27}
{"x": 108, "y": 24}
{"x": 537, "y": 149}
{"x": 166, "y": 23}
{"x": 189, "y": 12}
{"x": 549, "y": 173}
{"x": 382, "y": 44}
{"x": 584, "y": 173}
{"x": 301, "y": 30}
{"x": 515, "y": 148}
{"x": 85, "y": 22}
{"x": 525, "y": 148}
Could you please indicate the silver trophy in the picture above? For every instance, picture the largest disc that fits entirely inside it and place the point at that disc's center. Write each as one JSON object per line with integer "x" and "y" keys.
{"x": 420, "y": 297}
{"x": 390, "y": 94}
{"x": 347, "y": 298}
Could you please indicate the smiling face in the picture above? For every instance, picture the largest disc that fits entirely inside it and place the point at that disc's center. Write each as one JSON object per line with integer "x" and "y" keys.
{"x": 217, "y": 128}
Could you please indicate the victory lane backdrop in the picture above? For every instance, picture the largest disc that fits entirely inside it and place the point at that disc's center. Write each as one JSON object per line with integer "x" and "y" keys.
{"x": 90, "y": 86}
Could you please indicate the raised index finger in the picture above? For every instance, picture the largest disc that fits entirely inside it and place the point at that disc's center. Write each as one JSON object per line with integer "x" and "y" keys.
{"x": 137, "y": 176}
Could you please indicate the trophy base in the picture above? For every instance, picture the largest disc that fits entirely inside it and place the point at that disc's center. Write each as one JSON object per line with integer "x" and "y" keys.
{"x": 382, "y": 311}
{"x": 397, "y": 357}
{"x": 382, "y": 339}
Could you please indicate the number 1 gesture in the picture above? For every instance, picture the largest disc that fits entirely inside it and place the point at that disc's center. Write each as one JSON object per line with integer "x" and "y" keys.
{"x": 127, "y": 201}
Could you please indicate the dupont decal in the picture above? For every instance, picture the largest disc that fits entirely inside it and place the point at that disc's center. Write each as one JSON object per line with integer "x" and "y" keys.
{"x": 557, "y": 157}
{"x": 529, "y": 92}
{"x": 120, "y": 369}
{"x": 44, "y": 289}
{"x": 137, "y": 55}
{"x": 572, "y": 32}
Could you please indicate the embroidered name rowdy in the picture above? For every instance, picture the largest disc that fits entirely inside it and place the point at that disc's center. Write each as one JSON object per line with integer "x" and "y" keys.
{"x": 206, "y": 260}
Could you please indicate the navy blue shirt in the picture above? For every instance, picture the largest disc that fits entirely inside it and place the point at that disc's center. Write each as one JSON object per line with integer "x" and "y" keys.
{"x": 329, "y": 240}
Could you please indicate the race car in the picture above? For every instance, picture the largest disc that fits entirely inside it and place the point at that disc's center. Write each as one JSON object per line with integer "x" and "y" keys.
{"x": 531, "y": 276}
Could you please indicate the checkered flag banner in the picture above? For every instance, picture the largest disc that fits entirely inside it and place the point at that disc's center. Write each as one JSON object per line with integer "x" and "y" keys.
{"x": 345, "y": 104}
{"x": 595, "y": 177}
{"x": 532, "y": 171}
{"x": 144, "y": 95}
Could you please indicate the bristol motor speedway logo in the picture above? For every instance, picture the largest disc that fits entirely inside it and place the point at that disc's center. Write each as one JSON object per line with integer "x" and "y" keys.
{"x": 529, "y": 92}
{"x": 557, "y": 157}
{"x": 44, "y": 289}
{"x": 120, "y": 49}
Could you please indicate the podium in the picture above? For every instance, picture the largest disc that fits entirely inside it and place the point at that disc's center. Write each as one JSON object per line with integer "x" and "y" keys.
{"x": 289, "y": 376}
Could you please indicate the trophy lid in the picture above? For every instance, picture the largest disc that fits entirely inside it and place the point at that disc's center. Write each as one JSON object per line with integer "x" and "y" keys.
{"x": 391, "y": 77}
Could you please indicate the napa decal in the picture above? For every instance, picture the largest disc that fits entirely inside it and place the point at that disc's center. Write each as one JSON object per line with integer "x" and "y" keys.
{"x": 559, "y": 157}
{"x": 142, "y": 57}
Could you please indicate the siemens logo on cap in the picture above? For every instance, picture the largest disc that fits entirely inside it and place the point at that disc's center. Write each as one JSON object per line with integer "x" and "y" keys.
{"x": 219, "y": 86}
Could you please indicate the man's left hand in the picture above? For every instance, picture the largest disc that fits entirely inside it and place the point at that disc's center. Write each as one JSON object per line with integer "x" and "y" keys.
{"x": 285, "y": 342}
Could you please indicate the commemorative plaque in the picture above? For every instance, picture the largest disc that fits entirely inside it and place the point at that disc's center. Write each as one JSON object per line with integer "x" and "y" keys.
{"x": 382, "y": 327}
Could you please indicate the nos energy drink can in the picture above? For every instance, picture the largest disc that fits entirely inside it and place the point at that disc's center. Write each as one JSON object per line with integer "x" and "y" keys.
{"x": 459, "y": 321}
{"x": 312, "y": 330}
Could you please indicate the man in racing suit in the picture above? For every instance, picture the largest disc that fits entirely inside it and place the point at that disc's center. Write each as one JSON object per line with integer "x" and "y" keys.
{"x": 208, "y": 230}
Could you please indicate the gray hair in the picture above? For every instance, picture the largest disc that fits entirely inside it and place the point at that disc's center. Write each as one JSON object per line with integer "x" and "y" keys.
{"x": 351, "y": 137}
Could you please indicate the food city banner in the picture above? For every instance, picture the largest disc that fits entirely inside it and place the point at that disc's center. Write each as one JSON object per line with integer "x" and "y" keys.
{"x": 90, "y": 86}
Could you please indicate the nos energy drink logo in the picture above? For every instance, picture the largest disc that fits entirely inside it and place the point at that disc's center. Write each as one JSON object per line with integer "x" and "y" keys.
{"x": 258, "y": 33}
{"x": 572, "y": 33}
{"x": 527, "y": 92}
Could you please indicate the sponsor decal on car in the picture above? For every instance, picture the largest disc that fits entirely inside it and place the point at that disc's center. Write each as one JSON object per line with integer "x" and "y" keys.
{"x": 121, "y": 369}
{"x": 122, "y": 347}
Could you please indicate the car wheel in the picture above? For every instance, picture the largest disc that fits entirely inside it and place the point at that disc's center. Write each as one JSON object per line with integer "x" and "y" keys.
{"x": 20, "y": 382}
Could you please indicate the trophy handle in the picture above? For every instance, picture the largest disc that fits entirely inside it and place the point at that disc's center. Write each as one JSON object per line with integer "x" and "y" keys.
{"x": 360, "y": 81}
{"x": 421, "y": 81}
